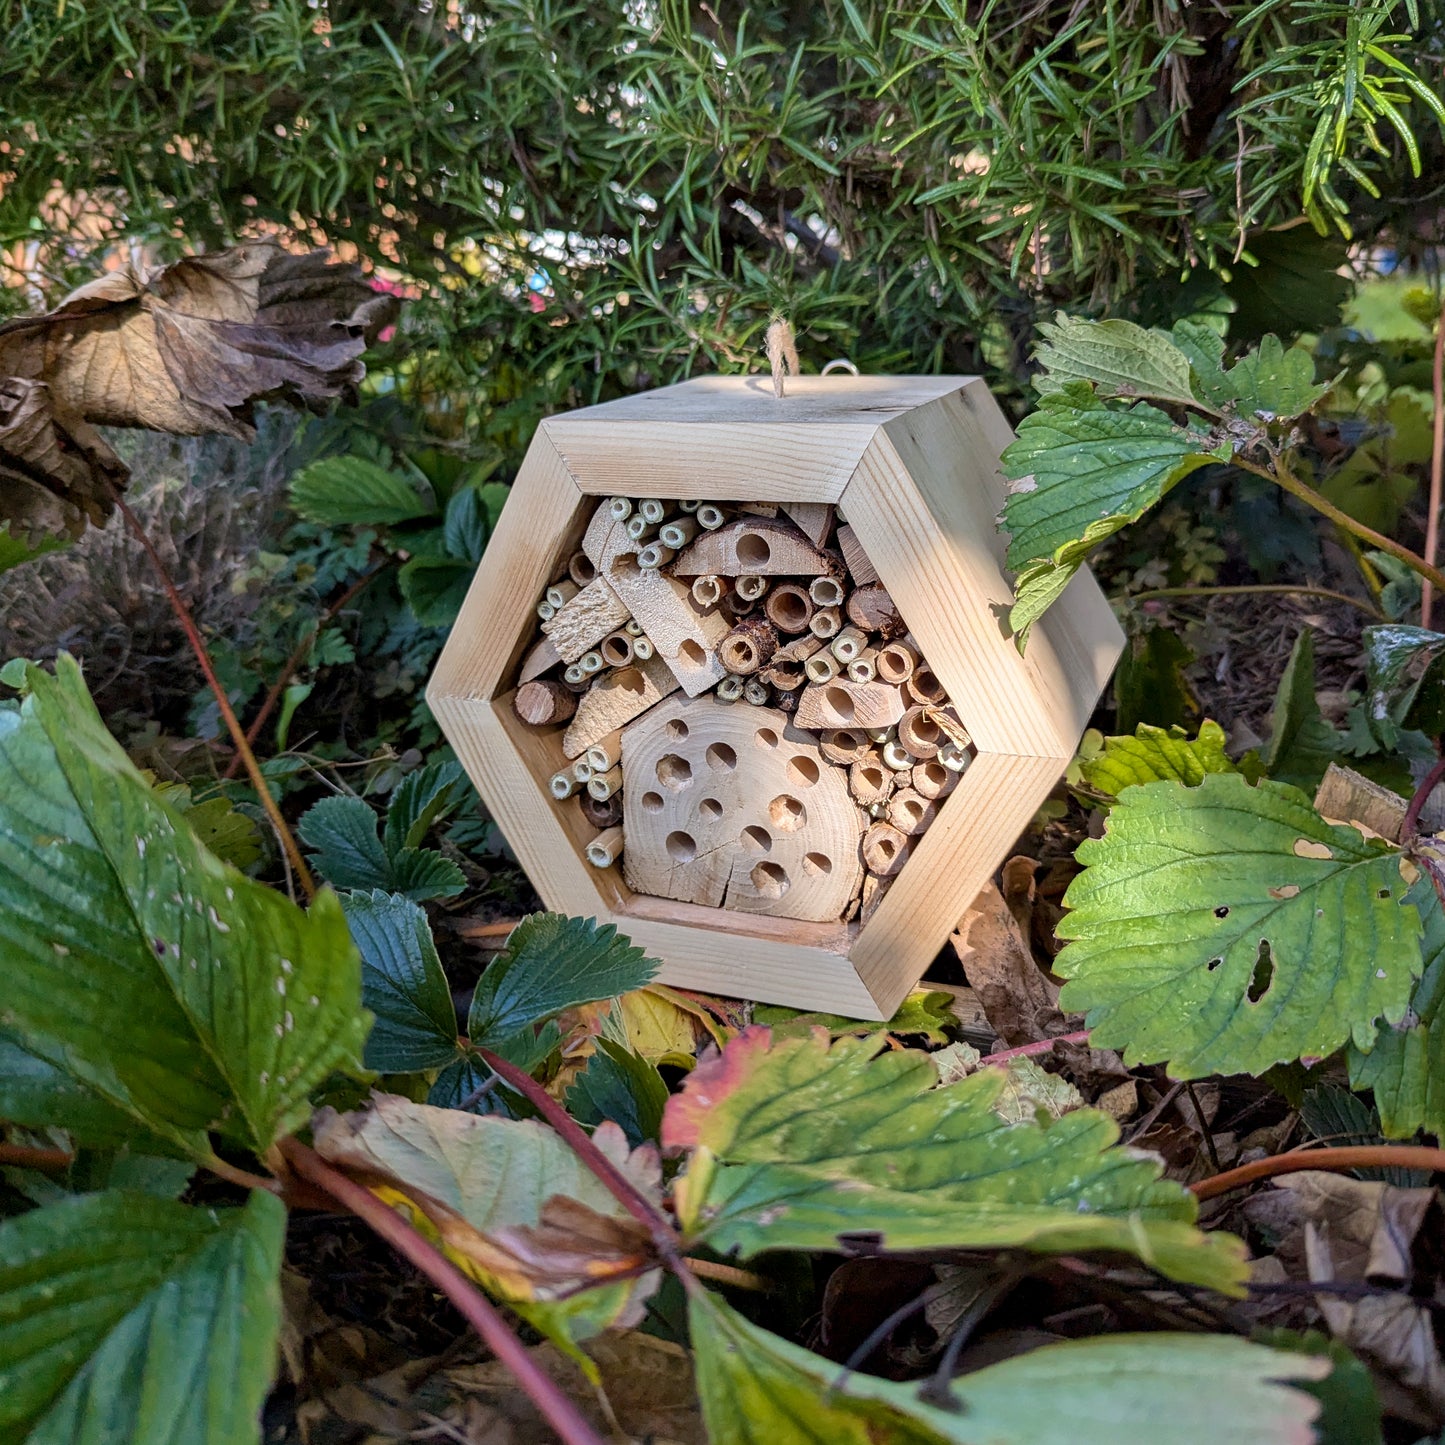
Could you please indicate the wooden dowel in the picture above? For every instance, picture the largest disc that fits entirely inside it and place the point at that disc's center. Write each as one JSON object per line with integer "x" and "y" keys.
{"x": 909, "y": 812}
{"x": 605, "y": 849}
{"x": 580, "y": 569}
{"x": 601, "y": 812}
{"x": 924, "y": 686}
{"x": 616, "y": 649}
{"x": 789, "y": 607}
{"x": 869, "y": 781}
{"x": 821, "y": 667}
{"x": 843, "y": 745}
{"x": 885, "y": 849}
{"x": 542, "y": 657}
{"x": 604, "y": 785}
{"x": 918, "y": 732}
{"x": 748, "y": 646}
{"x": 825, "y": 622}
{"x": 872, "y": 609}
{"x": 540, "y": 703}
{"x": 896, "y": 662}
{"x": 751, "y": 586}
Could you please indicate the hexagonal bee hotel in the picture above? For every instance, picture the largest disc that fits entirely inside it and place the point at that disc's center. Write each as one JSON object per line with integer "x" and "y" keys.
{"x": 733, "y": 675}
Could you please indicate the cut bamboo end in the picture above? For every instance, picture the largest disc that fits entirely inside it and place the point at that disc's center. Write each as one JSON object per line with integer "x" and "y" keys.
{"x": 710, "y": 517}
{"x": 919, "y": 733}
{"x": 872, "y": 609}
{"x": 848, "y": 644}
{"x": 751, "y": 586}
{"x": 933, "y": 781}
{"x": 869, "y": 781}
{"x": 642, "y": 649}
{"x": 925, "y": 687}
{"x": 605, "y": 753}
{"x": 896, "y": 662}
{"x": 786, "y": 699}
{"x": 825, "y": 622}
{"x": 605, "y": 849}
{"x": 739, "y": 606}
{"x": 709, "y": 591}
{"x": 844, "y": 746}
{"x": 601, "y": 812}
{"x": 619, "y": 508}
{"x": 654, "y": 555}
{"x": 896, "y": 756}
{"x": 678, "y": 532}
{"x": 748, "y": 646}
{"x": 730, "y": 689}
{"x": 540, "y": 703}
{"x": 632, "y": 627}
{"x": 591, "y": 662}
{"x": 603, "y": 785}
{"x": 885, "y": 849}
{"x": 652, "y": 510}
{"x": 910, "y": 813}
{"x": 864, "y": 667}
{"x": 582, "y": 771}
{"x": 953, "y": 757}
{"x": 559, "y": 594}
{"x": 821, "y": 667}
{"x": 562, "y": 785}
{"x": 689, "y": 506}
{"x": 789, "y": 607}
{"x": 545, "y": 611}
{"x": 826, "y": 591}
{"x": 756, "y": 692}
{"x": 638, "y": 527}
{"x": 616, "y": 649}
{"x": 581, "y": 569}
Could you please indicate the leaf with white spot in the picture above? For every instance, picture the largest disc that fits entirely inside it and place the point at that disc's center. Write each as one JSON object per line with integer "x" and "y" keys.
{"x": 168, "y": 984}
{"x": 1227, "y": 928}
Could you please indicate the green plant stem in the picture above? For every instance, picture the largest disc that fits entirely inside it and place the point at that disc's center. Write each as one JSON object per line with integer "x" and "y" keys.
{"x": 298, "y": 656}
{"x": 479, "y": 1312}
{"x": 178, "y": 604}
{"x": 1437, "y": 465}
{"x": 1352, "y": 1156}
{"x": 1281, "y": 476}
{"x": 664, "y": 1237}
{"x": 1257, "y": 589}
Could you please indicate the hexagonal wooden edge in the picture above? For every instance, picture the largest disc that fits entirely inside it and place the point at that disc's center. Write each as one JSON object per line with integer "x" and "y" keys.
{"x": 912, "y": 462}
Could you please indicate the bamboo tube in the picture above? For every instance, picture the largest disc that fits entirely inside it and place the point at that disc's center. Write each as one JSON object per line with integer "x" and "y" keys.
{"x": 872, "y": 609}
{"x": 539, "y": 704}
{"x": 932, "y": 780}
{"x": 885, "y": 849}
{"x": 642, "y": 649}
{"x": 581, "y": 569}
{"x": 826, "y": 591}
{"x": 788, "y": 669}
{"x": 632, "y": 627}
{"x": 953, "y": 757}
{"x": 748, "y": 646}
{"x": 605, "y": 849}
{"x": 786, "y": 699}
{"x": 638, "y": 526}
{"x": 879, "y": 812}
{"x": 848, "y": 644}
{"x": 896, "y": 756}
{"x": 789, "y": 607}
{"x": 678, "y": 532}
{"x": 601, "y": 812}
{"x": 688, "y": 506}
{"x": 739, "y": 606}
{"x": 755, "y": 692}
{"x": 751, "y": 586}
{"x": 575, "y": 680}
{"x": 619, "y": 508}
{"x": 869, "y": 781}
{"x": 709, "y": 591}
{"x": 545, "y": 611}
{"x": 559, "y": 594}
{"x": 590, "y": 662}
{"x": 825, "y": 622}
{"x": 896, "y": 663}
{"x": 710, "y": 516}
{"x": 616, "y": 649}
{"x": 910, "y": 813}
{"x": 821, "y": 667}
{"x": 730, "y": 689}
{"x": 562, "y": 785}
{"x": 864, "y": 667}
{"x": 603, "y": 785}
{"x": 919, "y": 733}
{"x": 653, "y": 509}
{"x": 881, "y": 735}
{"x": 582, "y": 771}
{"x": 924, "y": 686}
{"x": 605, "y": 753}
{"x": 843, "y": 746}
{"x": 655, "y": 555}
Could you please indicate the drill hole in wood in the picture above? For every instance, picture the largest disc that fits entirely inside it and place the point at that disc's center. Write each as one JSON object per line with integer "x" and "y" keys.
{"x": 681, "y": 847}
{"x": 722, "y": 757}
{"x": 802, "y": 771}
{"x": 674, "y": 772}
{"x": 770, "y": 880}
{"x": 753, "y": 551}
{"x": 788, "y": 813}
{"x": 710, "y": 808}
{"x": 817, "y": 865}
{"x": 766, "y": 738}
{"x": 652, "y": 802}
{"x": 754, "y": 839}
{"x": 840, "y": 702}
{"x": 677, "y": 730}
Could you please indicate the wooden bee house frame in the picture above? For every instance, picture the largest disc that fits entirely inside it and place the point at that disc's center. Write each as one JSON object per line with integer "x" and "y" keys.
{"x": 912, "y": 463}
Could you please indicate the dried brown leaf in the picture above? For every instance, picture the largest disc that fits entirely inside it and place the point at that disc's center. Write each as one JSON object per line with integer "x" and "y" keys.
{"x": 1017, "y": 998}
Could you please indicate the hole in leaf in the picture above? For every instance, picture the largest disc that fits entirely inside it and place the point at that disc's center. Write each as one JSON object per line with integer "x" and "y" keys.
{"x": 1263, "y": 974}
{"x": 1222, "y": 911}
{"x": 1383, "y": 893}
{"x": 1214, "y": 963}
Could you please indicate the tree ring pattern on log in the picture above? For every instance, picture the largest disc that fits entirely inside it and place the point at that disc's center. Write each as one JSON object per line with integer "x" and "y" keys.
{"x": 737, "y": 809}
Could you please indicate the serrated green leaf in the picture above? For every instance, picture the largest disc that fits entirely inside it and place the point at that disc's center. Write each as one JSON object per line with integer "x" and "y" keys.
{"x": 422, "y": 873}
{"x": 14, "y": 551}
{"x": 1030, "y": 1092}
{"x": 1273, "y": 383}
{"x": 926, "y": 1012}
{"x": 1349, "y": 1404}
{"x": 1226, "y": 928}
{"x": 1302, "y": 744}
{"x": 132, "y": 1320}
{"x": 799, "y": 1145}
{"x": 435, "y": 588}
{"x": 552, "y": 962}
{"x": 224, "y": 1003}
{"x": 225, "y": 832}
{"x": 1405, "y": 1067}
{"x": 1153, "y": 754}
{"x": 348, "y": 852}
{"x": 1290, "y": 282}
{"x": 1405, "y": 681}
{"x": 347, "y": 491}
{"x": 481, "y": 1185}
{"x": 460, "y": 1084}
{"x": 757, "y": 1389}
{"x": 1117, "y": 357}
{"x": 466, "y": 527}
{"x": 622, "y": 1086}
{"x": 402, "y": 983}
{"x": 1149, "y": 683}
{"x": 35, "y": 1094}
{"x": 420, "y": 801}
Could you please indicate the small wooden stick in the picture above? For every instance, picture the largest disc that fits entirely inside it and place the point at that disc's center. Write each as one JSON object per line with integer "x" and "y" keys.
{"x": 885, "y": 849}
{"x": 860, "y": 569}
{"x": 751, "y": 586}
{"x": 539, "y": 704}
{"x": 872, "y": 609}
{"x": 748, "y": 646}
{"x": 918, "y": 732}
{"x": 910, "y": 813}
{"x": 601, "y": 812}
{"x": 581, "y": 569}
{"x": 843, "y": 745}
{"x": 616, "y": 649}
{"x": 896, "y": 663}
{"x": 604, "y": 785}
{"x": 789, "y": 607}
{"x": 924, "y": 686}
{"x": 826, "y": 621}
{"x": 678, "y": 532}
{"x": 605, "y": 849}
{"x": 826, "y": 591}
{"x": 869, "y": 781}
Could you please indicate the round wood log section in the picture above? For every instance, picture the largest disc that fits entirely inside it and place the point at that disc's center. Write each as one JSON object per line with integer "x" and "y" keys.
{"x": 736, "y": 808}
{"x": 919, "y": 733}
{"x": 748, "y": 646}
{"x": 841, "y": 703}
{"x": 601, "y": 812}
{"x": 789, "y": 608}
{"x": 872, "y": 609}
{"x": 541, "y": 703}
{"x": 885, "y": 849}
{"x": 764, "y": 546}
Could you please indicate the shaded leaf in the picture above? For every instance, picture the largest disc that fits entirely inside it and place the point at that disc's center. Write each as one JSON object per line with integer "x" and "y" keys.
{"x": 352, "y": 491}
{"x": 222, "y": 829}
{"x": 1029, "y": 1092}
{"x": 469, "y": 1084}
{"x": 435, "y": 588}
{"x": 1302, "y": 744}
{"x": 511, "y": 1203}
{"x": 799, "y": 1145}
{"x": 1290, "y": 282}
{"x": 1153, "y": 754}
{"x": 224, "y": 1003}
{"x": 348, "y": 852}
{"x": 466, "y": 526}
{"x": 1149, "y": 686}
{"x": 1275, "y": 383}
{"x": 132, "y": 1320}
{"x": 1227, "y": 928}
{"x": 420, "y": 801}
{"x": 552, "y": 962}
{"x": 757, "y": 1389}
{"x": 402, "y": 983}
{"x": 1117, "y": 357}
{"x": 1349, "y": 1403}
{"x": 622, "y": 1086}
{"x": 1405, "y": 681}
{"x": 35, "y": 1094}
{"x": 926, "y": 1013}
{"x": 420, "y": 873}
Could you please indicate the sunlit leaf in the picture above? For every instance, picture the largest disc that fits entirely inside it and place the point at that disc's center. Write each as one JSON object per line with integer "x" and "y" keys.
{"x": 1155, "y": 753}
